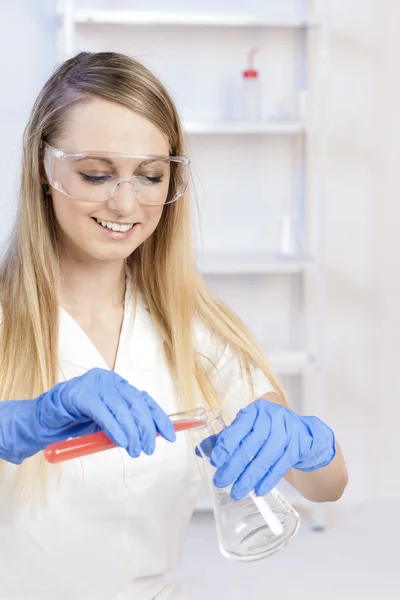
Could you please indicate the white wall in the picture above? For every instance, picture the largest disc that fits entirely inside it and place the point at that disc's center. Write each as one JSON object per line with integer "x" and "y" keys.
{"x": 362, "y": 207}
{"x": 386, "y": 251}
{"x": 27, "y": 55}
{"x": 362, "y": 243}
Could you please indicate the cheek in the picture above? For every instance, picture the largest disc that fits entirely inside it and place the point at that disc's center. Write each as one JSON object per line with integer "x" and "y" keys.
{"x": 69, "y": 213}
{"x": 73, "y": 220}
{"x": 152, "y": 216}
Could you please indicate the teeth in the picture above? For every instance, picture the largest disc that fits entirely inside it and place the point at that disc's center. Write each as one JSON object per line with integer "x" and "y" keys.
{"x": 115, "y": 226}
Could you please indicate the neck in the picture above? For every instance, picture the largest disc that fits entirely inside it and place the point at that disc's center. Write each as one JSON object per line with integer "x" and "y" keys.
{"x": 95, "y": 286}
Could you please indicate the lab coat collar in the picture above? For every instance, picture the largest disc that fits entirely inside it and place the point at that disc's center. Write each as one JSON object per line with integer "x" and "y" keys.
{"x": 139, "y": 345}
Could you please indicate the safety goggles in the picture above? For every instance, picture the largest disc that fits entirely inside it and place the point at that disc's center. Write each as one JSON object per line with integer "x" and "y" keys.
{"x": 98, "y": 176}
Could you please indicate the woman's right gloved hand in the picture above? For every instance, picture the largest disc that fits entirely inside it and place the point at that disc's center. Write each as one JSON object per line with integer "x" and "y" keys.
{"x": 99, "y": 400}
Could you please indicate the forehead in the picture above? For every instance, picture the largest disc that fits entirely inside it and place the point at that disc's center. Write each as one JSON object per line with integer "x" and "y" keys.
{"x": 98, "y": 125}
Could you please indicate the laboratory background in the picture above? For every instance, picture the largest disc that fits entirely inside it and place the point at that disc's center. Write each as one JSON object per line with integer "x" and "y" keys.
{"x": 291, "y": 118}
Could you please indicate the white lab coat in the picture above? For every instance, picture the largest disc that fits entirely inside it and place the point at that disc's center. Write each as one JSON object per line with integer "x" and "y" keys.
{"x": 113, "y": 525}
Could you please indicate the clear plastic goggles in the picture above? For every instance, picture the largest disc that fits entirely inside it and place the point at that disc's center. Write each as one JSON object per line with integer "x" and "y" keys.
{"x": 98, "y": 176}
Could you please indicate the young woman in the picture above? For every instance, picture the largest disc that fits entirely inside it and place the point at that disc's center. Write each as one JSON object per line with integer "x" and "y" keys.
{"x": 107, "y": 326}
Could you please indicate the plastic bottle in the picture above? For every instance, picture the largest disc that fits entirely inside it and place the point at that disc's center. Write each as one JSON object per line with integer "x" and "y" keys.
{"x": 251, "y": 91}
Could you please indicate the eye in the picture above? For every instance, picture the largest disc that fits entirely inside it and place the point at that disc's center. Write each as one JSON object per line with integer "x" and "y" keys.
{"x": 148, "y": 180}
{"x": 95, "y": 179}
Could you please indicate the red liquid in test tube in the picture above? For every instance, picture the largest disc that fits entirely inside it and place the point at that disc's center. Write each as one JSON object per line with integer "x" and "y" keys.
{"x": 97, "y": 442}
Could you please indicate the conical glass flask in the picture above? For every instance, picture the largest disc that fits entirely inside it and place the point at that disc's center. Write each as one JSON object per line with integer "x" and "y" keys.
{"x": 254, "y": 527}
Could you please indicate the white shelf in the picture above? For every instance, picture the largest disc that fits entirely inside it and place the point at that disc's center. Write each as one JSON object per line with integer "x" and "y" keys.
{"x": 130, "y": 17}
{"x": 251, "y": 262}
{"x": 245, "y": 127}
{"x": 292, "y": 363}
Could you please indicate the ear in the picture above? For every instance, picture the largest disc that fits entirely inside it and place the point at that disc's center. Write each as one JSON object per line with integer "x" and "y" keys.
{"x": 42, "y": 172}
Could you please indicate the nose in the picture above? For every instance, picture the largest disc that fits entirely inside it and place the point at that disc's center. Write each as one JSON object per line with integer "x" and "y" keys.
{"x": 125, "y": 199}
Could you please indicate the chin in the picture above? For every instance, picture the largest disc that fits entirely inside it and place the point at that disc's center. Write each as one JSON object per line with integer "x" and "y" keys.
{"x": 112, "y": 256}
{"x": 103, "y": 254}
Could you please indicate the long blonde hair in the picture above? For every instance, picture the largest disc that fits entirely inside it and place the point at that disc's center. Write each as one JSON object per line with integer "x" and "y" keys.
{"x": 163, "y": 267}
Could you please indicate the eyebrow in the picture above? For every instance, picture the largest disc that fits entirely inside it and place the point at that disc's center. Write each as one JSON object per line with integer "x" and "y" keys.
{"x": 108, "y": 161}
{"x": 104, "y": 159}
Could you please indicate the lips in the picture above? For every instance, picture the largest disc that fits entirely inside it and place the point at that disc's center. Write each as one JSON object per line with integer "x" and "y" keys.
{"x": 120, "y": 231}
{"x": 114, "y": 225}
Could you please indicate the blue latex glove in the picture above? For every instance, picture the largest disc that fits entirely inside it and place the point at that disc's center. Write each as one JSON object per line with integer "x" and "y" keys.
{"x": 99, "y": 400}
{"x": 263, "y": 443}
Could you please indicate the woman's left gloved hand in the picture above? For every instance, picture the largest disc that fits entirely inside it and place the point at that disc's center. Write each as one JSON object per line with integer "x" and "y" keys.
{"x": 263, "y": 443}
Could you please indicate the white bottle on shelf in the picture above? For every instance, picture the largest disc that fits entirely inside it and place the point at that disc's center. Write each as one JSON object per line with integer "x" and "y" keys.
{"x": 251, "y": 91}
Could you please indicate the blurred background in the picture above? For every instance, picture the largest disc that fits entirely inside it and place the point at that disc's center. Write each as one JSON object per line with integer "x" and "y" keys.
{"x": 296, "y": 218}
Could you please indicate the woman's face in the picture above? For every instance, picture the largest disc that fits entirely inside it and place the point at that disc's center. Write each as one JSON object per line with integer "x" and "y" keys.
{"x": 93, "y": 229}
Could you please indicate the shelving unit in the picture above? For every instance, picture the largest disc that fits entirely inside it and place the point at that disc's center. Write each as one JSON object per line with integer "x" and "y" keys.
{"x": 283, "y": 135}
{"x": 226, "y": 262}
{"x": 278, "y": 127}
{"x": 292, "y": 363}
{"x": 131, "y": 17}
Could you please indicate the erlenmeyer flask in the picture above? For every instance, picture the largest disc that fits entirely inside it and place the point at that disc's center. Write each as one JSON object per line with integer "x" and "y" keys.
{"x": 254, "y": 527}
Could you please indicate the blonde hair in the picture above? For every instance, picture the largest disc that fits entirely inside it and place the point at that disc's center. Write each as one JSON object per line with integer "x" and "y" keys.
{"x": 162, "y": 268}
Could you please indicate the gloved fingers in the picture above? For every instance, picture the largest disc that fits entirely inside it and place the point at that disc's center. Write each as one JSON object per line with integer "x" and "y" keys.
{"x": 94, "y": 396}
{"x": 230, "y": 438}
{"x": 86, "y": 428}
{"x": 206, "y": 446}
{"x": 77, "y": 401}
{"x": 270, "y": 452}
{"x": 318, "y": 445}
{"x": 118, "y": 406}
{"x": 162, "y": 421}
{"x": 275, "y": 474}
{"x": 105, "y": 417}
{"x": 138, "y": 408}
{"x": 244, "y": 453}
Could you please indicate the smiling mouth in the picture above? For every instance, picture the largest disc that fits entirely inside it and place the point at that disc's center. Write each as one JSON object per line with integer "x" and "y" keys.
{"x": 113, "y": 226}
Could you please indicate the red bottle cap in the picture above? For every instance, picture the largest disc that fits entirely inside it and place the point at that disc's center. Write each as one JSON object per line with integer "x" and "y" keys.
{"x": 250, "y": 74}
